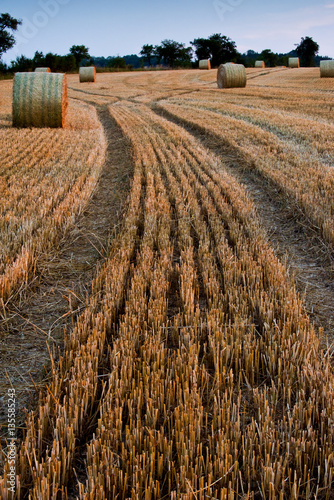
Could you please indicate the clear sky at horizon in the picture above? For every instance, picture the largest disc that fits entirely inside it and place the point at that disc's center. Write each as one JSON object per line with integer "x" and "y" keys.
{"x": 112, "y": 28}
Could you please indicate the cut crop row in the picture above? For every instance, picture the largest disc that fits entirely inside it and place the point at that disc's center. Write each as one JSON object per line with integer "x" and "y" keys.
{"x": 306, "y": 181}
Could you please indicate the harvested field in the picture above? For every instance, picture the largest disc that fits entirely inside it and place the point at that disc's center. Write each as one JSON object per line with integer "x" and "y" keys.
{"x": 195, "y": 364}
{"x": 46, "y": 178}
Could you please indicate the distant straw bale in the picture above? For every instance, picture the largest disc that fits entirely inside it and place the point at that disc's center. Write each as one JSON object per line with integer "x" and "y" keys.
{"x": 87, "y": 74}
{"x": 260, "y": 64}
{"x": 204, "y": 64}
{"x": 39, "y": 100}
{"x": 294, "y": 62}
{"x": 327, "y": 68}
{"x": 231, "y": 75}
{"x": 42, "y": 70}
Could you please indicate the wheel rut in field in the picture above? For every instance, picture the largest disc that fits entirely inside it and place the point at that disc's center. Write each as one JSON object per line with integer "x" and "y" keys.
{"x": 64, "y": 280}
{"x": 289, "y": 231}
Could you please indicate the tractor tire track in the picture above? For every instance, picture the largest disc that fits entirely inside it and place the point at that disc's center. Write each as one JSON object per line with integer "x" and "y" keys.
{"x": 63, "y": 288}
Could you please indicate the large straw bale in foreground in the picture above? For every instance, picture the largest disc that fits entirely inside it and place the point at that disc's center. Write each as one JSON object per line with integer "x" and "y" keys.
{"x": 42, "y": 70}
{"x": 39, "y": 100}
{"x": 294, "y": 62}
{"x": 204, "y": 64}
{"x": 87, "y": 74}
{"x": 327, "y": 68}
{"x": 260, "y": 64}
{"x": 231, "y": 75}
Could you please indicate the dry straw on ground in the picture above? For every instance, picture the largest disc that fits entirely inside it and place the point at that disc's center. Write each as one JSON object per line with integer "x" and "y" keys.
{"x": 260, "y": 64}
{"x": 294, "y": 62}
{"x": 87, "y": 74}
{"x": 204, "y": 64}
{"x": 327, "y": 68}
{"x": 42, "y": 70}
{"x": 193, "y": 372}
{"x": 39, "y": 100}
{"x": 231, "y": 75}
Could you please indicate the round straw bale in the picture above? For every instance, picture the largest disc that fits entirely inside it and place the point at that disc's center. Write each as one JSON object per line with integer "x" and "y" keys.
{"x": 327, "y": 68}
{"x": 231, "y": 75}
{"x": 87, "y": 74}
{"x": 294, "y": 62}
{"x": 39, "y": 100}
{"x": 204, "y": 64}
{"x": 42, "y": 70}
{"x": 260, "y": 64}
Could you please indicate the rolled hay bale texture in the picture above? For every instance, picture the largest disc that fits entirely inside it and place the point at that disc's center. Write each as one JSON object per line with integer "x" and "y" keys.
{"x": 87, "y": 74}
{"x": 42, "y": 70}
{"x": 294, "y": 62}
{"x": 260, "y": 64}
{"x": 231, "y": 75}
{"x": 204, "y": 64}
{"x": 327, "y": 68}
{"x": 39, "y": 100}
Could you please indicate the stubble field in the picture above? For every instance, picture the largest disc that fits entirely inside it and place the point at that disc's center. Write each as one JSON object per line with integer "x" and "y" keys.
{"x": 167, "y": 289}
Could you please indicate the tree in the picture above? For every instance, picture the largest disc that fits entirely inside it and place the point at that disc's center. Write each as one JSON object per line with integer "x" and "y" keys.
{"x": 50, "y": 60}
{"x": 3, "y": 67}
{"x": 269, "y": 57}
{"x": 68, "y": 63}
{"x": 21, "y": 63}
{"x": 184, "y": 58}
{"x": 173, "y": 53}
{"x": 148, "y": 52}
{"x": 117, "y": 62}
{"x": 217, "y": 47}
{"x": 306, "y": 50}
{"x": 38, "y": 59}
{"x": 80, "y": 52}
{"x": 7, "y": 39}
{"x": 202, "y": 49}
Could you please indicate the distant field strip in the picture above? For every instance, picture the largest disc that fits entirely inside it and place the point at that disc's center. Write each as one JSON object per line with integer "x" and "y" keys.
{"x": 305, "y": 104}
{"x": 316, "y": 136}
{"x": 300, "y": 78}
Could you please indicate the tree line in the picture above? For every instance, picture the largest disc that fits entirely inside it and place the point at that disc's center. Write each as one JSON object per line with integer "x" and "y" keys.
{"x": 170, "y": 53}
{"x": 220, "y": 49}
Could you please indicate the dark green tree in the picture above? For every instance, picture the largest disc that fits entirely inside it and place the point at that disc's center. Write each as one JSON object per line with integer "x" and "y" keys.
{"x": 202, "y": 48}
{"x": 54, "y": 61}
{"x": 184, "y": 59}
{"x": 219, "y": 48}
{"x": 306, "y": 51}
{"x": 80, "y": 52}
{"x": 269, "y": 57}
{"x": 3, "y": 67}
{"x": 117, "y": 62}
{"x": 148, "y": 52}
{"x": 38, "y": 59}
{"x": 22, "y": 63}
{"x": 173, "y": 53}
{"x": 249, "y": 58}
{"x": 7, "y": 24}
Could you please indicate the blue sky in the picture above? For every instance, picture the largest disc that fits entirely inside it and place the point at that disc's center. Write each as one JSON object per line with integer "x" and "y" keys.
{"x": 113, "y": 27}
